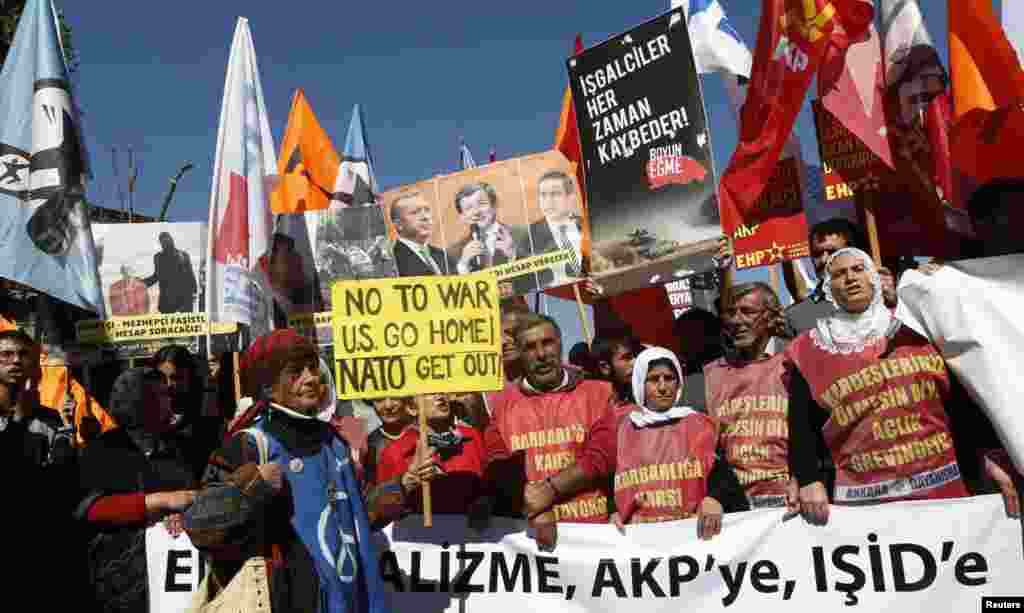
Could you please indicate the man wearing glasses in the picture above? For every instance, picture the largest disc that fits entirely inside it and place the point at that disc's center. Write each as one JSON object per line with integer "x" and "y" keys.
{"x": 746, "y": 394}
{"x": 489, "y": 242}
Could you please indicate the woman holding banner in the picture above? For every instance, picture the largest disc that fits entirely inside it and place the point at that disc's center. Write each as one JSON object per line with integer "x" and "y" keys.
{"x": 660, "y": 453}
{"x": 879, "y": 394}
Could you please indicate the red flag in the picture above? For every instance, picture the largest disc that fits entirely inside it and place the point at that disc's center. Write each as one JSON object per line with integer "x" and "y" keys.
{"x": 851, "y": 86}
{"x": 793, "y": 39}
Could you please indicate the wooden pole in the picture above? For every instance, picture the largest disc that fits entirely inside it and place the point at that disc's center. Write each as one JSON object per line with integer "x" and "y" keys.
{"x": 583, "y": 315}
{"x": 421, "y": 455}
{"x": 872, "y": 227}
{"x": 237, "y": 376}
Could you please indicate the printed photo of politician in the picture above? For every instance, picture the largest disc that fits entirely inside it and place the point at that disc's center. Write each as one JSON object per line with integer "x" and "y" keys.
{"x": 150, "y": 268}
{"x": 413, "y": 218}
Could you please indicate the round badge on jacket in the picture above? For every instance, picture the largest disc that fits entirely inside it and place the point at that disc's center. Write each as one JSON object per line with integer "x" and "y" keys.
{"x": 295, "y": 465}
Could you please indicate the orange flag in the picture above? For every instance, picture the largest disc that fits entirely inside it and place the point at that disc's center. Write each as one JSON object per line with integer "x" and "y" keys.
{"x": 308, "y": 164}
{"x": 56, "y": 385}
{"x": 988, "y": 93}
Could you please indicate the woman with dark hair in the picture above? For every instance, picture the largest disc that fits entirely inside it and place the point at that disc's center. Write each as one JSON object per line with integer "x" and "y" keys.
{"x": 183, "y": 376}
{"x": 130, "y": 479}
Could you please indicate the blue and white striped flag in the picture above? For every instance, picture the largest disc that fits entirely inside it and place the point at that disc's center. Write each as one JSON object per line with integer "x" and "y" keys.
{"x": 465, "y": 157}
{"x": 45, "y": 237}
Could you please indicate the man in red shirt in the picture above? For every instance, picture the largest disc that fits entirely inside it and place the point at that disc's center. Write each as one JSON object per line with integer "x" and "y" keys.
{"x": 512, "y": 313}
{"x": 542, "y": 432}
{"x": 747, "y": 396}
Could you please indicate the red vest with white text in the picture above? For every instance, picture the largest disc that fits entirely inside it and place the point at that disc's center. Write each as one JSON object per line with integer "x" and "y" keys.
{"x": 662, "y": 471}
{"x": 887, "y": 428}
{"x": 550, "y": 427}
{"x": 751, "y": 405}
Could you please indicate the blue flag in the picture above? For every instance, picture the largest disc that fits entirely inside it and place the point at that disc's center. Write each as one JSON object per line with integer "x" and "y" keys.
{"x": 466, "y": 157}
{"x": 356, "y": 184}
{"x": 45, "y": 237}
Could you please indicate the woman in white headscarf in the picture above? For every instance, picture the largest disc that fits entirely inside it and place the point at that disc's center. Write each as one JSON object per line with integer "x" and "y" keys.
{"x": 660, "y": 453}
{"x": 877, "y": 393}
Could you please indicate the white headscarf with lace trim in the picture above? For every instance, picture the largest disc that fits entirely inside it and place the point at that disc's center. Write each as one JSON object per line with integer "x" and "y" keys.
{"x": 646, "y": 417}
{"x": 845, "y": 332}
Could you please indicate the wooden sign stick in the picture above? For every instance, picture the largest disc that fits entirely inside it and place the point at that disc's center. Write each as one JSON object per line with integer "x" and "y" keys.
{"x": 583, "y": 315}
{"x": 421, "y": 409}
{"x": 238, "y": 377}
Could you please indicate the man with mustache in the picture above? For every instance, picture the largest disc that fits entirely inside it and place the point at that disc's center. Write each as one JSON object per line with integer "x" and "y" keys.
{"x": 538, "y": 434}
{"x": 490, "y": 242}
{"x": 746, "y": 389}
{"x": 413, "y": 220}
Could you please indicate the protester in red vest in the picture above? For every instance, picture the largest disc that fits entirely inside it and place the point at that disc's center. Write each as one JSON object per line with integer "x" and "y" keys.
{"x": 747, "y": 396}
{"x": 453, "y": 462}
{"x": 512, "y": 314}
{"x": 542, "y": 432}
{"x": 661, "y": 453}
{"x": 879, "y": 394}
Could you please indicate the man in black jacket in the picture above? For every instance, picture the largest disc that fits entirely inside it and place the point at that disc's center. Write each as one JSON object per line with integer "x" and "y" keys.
{"x": 414, "y": 222}
{"x": 39, "y": 468}
{"x": 172, "y": 270}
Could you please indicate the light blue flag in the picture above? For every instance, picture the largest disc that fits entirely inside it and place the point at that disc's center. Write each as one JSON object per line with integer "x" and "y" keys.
{"x": 45, "y": 237}
{"x": 466, "y": 157}
{"x": 356, "y": 184}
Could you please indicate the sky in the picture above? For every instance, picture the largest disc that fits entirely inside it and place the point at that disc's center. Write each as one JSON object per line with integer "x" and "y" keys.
{"x": 427, "y": 75}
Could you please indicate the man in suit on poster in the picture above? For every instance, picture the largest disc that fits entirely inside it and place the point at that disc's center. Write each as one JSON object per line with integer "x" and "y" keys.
{"x": 414, "y": 222}
{"x": 489, "y": 242}
{"x": 561, "y": 227}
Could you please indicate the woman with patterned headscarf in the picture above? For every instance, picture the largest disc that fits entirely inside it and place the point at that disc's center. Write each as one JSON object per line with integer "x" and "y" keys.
{"x": 282, "y": 490}
{"x": 878, "y": 393}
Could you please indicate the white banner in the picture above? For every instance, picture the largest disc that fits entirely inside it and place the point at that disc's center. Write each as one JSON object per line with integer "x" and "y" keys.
{"x": 175, "y": 570}
{"x": 915, "y": 556}
{"x": 971, "y": 311}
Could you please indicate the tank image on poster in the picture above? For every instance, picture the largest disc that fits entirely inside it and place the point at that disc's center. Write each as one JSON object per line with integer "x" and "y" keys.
{"x": 651, "y": 186}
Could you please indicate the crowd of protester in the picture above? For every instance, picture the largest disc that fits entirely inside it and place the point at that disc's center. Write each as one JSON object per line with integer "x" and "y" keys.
{"x": 850, "y": 407}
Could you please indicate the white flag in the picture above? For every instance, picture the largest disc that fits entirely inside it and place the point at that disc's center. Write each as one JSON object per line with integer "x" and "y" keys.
{"x": 243, "y": 176}
{"x": 717, "y": 45}
{"x": 1013, "y": 25}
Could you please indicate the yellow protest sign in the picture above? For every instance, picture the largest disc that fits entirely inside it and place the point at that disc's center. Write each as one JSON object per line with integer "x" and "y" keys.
{"x": 417, "y": 335}
{"x": 147, "y": 327}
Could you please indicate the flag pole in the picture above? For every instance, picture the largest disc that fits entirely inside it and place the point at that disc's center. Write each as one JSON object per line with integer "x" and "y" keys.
{"x": 421, "y": 410}
{"x": 871, "y": 223}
